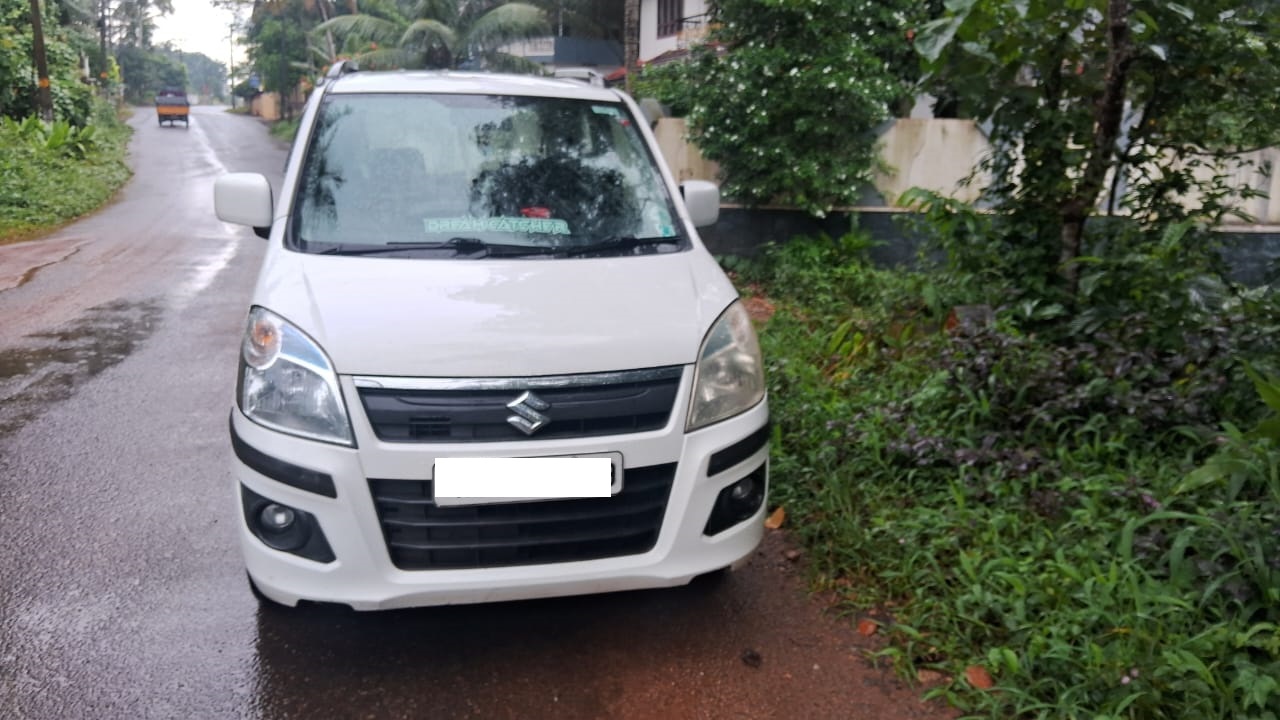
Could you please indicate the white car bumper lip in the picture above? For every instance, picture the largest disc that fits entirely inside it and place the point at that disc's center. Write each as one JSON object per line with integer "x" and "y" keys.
{"x": 364, "y": 576}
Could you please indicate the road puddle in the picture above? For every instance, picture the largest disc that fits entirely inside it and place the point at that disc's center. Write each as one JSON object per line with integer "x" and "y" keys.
{"x": 51, "y": 366}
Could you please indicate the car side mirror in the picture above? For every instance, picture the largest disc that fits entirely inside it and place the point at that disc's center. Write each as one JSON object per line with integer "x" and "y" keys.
{"x": 702, "y": 200}
{"x": 244, "y": 199}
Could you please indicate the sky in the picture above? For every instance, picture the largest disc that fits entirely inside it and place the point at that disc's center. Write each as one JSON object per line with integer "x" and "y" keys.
{"x": 197, "y": 26}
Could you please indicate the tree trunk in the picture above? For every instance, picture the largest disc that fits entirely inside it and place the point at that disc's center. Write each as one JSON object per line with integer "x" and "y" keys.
{"x": 1107, "y": 114}
{"x": 42, "y": 66}
{"x": 631, "y": 47}
{"x": 102, "y": 28}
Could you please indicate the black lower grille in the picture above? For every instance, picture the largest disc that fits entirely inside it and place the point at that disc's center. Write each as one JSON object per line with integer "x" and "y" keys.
{"x": 422, "y": 536}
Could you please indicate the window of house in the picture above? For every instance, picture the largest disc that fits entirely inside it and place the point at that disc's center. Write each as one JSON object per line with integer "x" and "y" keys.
{"x": 670, "y": 15}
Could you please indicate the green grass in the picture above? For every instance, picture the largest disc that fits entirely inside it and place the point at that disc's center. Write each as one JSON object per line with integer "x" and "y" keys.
{"x": 1076, "y": 515}
{"x": 42, "y": 188}
{"x": 285, "y": 129}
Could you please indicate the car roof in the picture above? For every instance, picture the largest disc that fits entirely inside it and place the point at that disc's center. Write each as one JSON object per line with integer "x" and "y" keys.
{"x": 469, "y": 83}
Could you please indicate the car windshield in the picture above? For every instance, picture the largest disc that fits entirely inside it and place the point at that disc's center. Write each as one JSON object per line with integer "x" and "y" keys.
{"x": 476, "y": 176}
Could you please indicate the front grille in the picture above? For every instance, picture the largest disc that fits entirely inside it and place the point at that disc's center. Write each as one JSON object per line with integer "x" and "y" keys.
{"x": 480, "y": 410}
{"x": 422, "y": 536}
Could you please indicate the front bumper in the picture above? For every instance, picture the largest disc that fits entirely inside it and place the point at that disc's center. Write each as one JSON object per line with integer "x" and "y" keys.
{"x": 363, "y": 575}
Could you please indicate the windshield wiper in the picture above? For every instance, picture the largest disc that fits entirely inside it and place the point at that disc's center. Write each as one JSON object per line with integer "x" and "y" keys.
{"x": 620, "y": 246}
{"x": 470, "y": 247}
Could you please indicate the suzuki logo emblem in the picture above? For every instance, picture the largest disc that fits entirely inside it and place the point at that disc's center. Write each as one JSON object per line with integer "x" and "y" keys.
{"x": 528, "y": 417}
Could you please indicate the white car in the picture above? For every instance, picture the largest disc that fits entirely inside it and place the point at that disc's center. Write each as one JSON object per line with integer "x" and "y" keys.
{"x": 488, "y": 357}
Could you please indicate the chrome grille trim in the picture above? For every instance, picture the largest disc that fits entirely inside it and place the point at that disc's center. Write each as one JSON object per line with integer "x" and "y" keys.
{"x": 540, "y": 382}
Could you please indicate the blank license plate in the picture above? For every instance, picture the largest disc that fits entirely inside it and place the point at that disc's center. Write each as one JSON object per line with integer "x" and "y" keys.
{"x": 475, "y": 481}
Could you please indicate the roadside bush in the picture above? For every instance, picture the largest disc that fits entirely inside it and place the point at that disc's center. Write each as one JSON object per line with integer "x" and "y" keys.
{"x": 58, "y": 137}
{"x": 671, "y": 84}
{"x": 1055, "y": 497}
{"x": 51, "y": 173}
{"x": 285, "y": 129}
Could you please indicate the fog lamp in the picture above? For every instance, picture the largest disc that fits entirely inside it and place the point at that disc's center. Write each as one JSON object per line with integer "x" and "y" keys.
{"x": 276, "y": 518}
{"x": 284, "y": 528}
{"x": 738, "y": 502}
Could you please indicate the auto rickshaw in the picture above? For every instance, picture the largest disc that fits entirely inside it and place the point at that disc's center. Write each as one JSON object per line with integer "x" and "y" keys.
{"x": 172, "y": 106}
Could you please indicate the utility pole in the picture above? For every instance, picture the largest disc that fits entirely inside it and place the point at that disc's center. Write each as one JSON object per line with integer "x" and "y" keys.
{"x": 231, "y": 64}
{"x": 42, "y": 66}
{"x": 284, "y": 75}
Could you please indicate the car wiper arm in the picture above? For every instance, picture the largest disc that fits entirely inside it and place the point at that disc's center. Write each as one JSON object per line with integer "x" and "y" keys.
{"x": 620, "y": 245}
{"x": 459, "y": 245}
{"x": 472, "y": 248}
{"x": 385, "y": 248}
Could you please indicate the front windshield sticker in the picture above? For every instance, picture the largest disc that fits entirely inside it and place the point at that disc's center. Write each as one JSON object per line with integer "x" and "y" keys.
{"x": 659, "y": 216}
{"x": 545, "y": 226}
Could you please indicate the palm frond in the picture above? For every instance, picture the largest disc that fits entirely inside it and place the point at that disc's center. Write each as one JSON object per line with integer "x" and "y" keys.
{"x": 446, "y": 11}
{"x": 426, "y": 34}
{"x": 388, "y": 59}
{"x": 319, "y": 55}
{"x": 385, "y": 9}
{"x": 363, "y": 28}
{"x": 504, "y": 24}
{"x": 504, "y": 62}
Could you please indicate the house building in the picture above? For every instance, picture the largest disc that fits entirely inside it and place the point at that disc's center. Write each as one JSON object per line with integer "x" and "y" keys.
{"x": 669, "y": 27}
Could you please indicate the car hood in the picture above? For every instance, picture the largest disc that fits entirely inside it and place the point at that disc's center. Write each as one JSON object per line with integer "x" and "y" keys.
{"x": 498, "y": 317}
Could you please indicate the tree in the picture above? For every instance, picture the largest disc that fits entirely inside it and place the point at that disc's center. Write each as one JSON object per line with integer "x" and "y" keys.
{"x": 45, "y": 100}
{"x": 584, "y": 18}
{"x": 1160, "y": 97}
{"x": 281, "y": 50}
{"x": 438, "y": 34}
{"x": 135, "y": 20}
{"x": 146, "y": 71}
{"x": 786, "y": 96}
{"x": 205, "y": 76}
{"x": 65, "y": 40}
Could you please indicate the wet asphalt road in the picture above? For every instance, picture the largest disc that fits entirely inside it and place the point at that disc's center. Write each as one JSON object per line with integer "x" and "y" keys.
{"x": 122, "y": 594}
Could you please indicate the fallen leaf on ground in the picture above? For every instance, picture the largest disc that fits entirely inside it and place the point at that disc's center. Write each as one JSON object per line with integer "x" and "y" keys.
{"x": 774, "y": 521}
{"x": 759, "y": 308}
{"x": 867, "y": 627}
{"x": 979, "y": 677}
{"x": 929, "y": 677}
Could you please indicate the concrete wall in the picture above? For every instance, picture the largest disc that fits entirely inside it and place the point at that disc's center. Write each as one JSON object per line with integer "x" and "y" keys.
{"x": 940, "y": 155}
{"x": 1253, "y": 172}
{"x": 683, "y": 157}
{"x": 1251, "y": 253}
{"x": 933, "y": 154}
{"x": 266, "y": 106}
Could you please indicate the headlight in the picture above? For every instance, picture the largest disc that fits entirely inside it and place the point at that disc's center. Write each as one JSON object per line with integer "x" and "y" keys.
{"x": 729, "y": 378}
{"x": 287, "y": 383}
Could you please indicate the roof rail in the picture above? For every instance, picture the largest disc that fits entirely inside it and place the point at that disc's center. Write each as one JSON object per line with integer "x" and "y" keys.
{"x": 340, "y": 68}
{"x": 586, "y": 75}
